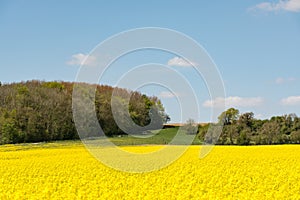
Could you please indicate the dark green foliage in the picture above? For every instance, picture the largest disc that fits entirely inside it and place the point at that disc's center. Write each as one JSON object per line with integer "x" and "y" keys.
{"x": 36, "y": 111}
{"x": 244, "y": 137}
{"x": 295, "y": 137}
{"x": 208, "y": 133}
{"x": 202, "y": 130}
{"x": 271, "y": 131}
{"x": 244, "y": 129}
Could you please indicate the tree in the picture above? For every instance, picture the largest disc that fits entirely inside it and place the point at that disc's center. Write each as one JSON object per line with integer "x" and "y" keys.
{"x": 246, "y": 119}
{"x": 287, "y": 123}
{"x": 202, "y": 130}
{"x": 229, "y": 116}
{"x": 191, "y": 127}
{"x": 296, "y": 124}
{"x": 36, "y": 111}
{"x": 212, "y": 134}
{"x": 295, "y": 137}
{"x": 231, "y": 131}
{"x": 244, "y": 137}
{"x": 271, "y": 131}
{"x": 9, "y": 132}
{"x": 256, "y": 125}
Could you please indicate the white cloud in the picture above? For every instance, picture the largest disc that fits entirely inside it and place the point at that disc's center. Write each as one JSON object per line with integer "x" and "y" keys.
{"x": 281, "y": 5}
{"x": 180, "y": 62}
{"x": 281, "y": 80}
{"x": 291, "y": 79}
{"x": 291, "y": 101}
{"x": 82, "y": 59}
{"x": 234, "y": 102}
{"x": 167, "y": 95}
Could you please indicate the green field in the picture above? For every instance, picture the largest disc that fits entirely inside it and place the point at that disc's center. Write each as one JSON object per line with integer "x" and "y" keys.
{"x": 163, "y": 136}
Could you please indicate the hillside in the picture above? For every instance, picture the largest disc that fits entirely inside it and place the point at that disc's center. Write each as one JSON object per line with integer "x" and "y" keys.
{"x": 36, "y": 111}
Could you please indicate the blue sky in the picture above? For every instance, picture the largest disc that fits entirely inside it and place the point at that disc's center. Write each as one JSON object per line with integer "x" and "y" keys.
{"x": 255, "y": 45}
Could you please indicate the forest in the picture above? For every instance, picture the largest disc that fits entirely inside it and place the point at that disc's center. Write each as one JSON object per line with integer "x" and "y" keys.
{"x": 245, "y": 129}
{"x": 36, "y": 111}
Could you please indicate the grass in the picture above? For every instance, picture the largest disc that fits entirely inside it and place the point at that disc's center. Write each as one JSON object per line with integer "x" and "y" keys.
{"x": 161, "y": 137}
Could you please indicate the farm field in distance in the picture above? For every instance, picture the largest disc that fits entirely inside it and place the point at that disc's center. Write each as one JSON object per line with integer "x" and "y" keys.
{"x": 66, "y": 170}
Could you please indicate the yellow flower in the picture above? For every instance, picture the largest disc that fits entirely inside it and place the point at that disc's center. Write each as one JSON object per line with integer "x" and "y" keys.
{"x": 228, "y": 172}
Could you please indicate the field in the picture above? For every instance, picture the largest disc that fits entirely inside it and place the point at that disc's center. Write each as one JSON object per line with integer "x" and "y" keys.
{"x": 160, "y": 137}
{"x": 66, "y": 170}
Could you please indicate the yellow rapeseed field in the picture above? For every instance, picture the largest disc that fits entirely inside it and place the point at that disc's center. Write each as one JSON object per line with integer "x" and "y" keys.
{"x": 228, "y": 172}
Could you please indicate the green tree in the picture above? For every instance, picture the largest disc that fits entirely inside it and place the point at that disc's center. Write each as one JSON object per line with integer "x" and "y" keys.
{"x": 9, "y": 132}
{"x": 296, "y": 124}
{"x": 231, "y": 131}
{"x": 202, "y": 130}
{"x": 212, "y": 134}
{"x": 229, "y": 116}
{"x": 295, "y": 137}
{"x": 35, "y": 111}
{"x": 271, "y": 131}
{"x": 246, "y": 119}
{"x": 244, "y": 137}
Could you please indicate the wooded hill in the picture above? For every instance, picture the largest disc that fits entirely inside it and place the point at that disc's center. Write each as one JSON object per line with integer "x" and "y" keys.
{"x": 36, "y": 111}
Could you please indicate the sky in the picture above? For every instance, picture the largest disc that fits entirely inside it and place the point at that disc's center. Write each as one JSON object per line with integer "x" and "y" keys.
{"x": 255, "y": 46}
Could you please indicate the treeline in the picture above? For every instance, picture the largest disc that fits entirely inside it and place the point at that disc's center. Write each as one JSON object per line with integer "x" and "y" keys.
{"x": 244, "y": 129}
{"x": 36, "y": 111}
